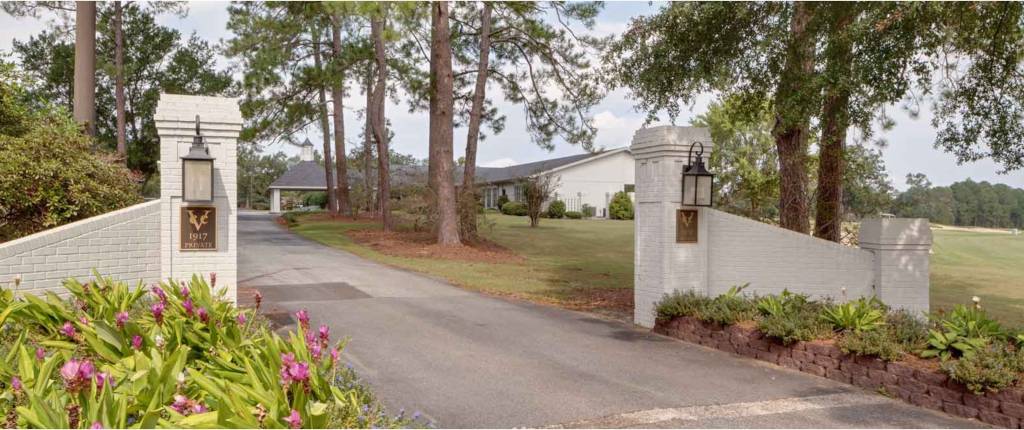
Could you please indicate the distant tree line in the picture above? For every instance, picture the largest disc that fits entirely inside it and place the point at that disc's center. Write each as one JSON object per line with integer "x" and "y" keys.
{"x": 964, "y": 203}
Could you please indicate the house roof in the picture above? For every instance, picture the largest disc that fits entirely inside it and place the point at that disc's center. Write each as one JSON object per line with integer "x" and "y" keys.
{"x": 309, "y": 175}
{"x": 505, "y": 174}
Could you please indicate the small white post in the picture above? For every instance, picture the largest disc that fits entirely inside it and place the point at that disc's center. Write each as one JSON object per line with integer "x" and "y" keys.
{"x": 275, "y": 200}
{"x": 661, "y": 265}
{"x": 901, "y": 247}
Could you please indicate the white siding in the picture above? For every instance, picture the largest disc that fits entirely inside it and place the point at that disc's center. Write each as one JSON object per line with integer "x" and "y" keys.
{"x": 596, "y": 181}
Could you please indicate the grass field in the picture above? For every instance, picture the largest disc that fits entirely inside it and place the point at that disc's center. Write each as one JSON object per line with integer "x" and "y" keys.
{"x": 987, "y": 265}
{"x": 583, "y": 264}
{"x": 575, "y": 263}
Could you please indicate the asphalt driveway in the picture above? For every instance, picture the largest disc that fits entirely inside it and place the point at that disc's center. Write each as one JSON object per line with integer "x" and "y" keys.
{"x": 464, "y": 359}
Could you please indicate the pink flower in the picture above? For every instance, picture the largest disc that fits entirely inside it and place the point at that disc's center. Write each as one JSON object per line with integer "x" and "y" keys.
{"x": 316, "y": 351}
{"x": 292, "y": 371}
{"x": 203, "y": 316}
{"x": 187, "y": 304}
{"x": 136, "y": 342}
{"x": 258, "y": 298}
{"x": 96, "y": 425}
{"x": 40, "y": 353}
{"x": 213, "y": 279}
{"x": 16, "y": 383}
{"x": 335, "y": 354}
{"x": 76, "y": 374}
{"x": 184, "y": 291}
{"x": 325, "y": 334}
{"x": 68, "y": 329}
{"x": 158, "y": 311}
{"x": 159, "y": 293}
{"x": 294, "y": 420}
{"x": 299, "y": 371}
{"x": 83, "y": 320}
{"x": 103, "y": 378}
{"x": 121, "y": 318}
{"x": 241, "y": 318}
{"x": 185, "y": 406}
{"x": 303, "y": 318}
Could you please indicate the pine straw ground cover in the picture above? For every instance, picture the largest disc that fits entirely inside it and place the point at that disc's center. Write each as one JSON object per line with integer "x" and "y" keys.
{"x": 174, "y": 355}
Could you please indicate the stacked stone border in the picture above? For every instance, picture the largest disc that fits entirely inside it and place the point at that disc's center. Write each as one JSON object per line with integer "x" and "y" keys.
{"x": 925, "y": 388}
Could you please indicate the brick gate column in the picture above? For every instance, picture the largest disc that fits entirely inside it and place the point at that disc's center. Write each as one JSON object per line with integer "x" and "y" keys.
{"x": 221, "y": 122}
{"x": 660, "y": 264}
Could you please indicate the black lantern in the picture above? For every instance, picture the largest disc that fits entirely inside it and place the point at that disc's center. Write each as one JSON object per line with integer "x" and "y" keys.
{"x": 698, "y": 182}
{"x": 197, "y": 171}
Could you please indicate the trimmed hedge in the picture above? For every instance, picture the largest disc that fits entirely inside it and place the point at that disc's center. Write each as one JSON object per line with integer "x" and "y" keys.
{"x": 514, "y": 208}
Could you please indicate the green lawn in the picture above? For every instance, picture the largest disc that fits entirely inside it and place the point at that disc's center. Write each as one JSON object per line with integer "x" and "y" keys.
{"x": 568, "y": 261}
{"x": 574, "y": 263}
{"x": 987, "y": 265}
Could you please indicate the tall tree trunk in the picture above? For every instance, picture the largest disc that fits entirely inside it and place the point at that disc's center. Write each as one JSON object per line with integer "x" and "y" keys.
{"x": 368, "y": 142}
{"x": 379, "y": 131}
{"x": 337, "y": 94}
{"x": 442, "y": 105}
{"x": 332, "y": 201}
{"x": 467, "y": 206}
{"x": 122, "y": 146}
{"x": 792, "y": 122}
{"x": 835, "y": 118}
{"x": 84, "y": 104}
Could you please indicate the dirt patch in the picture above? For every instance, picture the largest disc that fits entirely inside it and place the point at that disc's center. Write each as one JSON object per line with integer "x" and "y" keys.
{"x": 422, "y": 245}
{"x": 926, "y": 364}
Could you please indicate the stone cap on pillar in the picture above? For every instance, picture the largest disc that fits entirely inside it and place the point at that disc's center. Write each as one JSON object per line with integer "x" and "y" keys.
{"x": 669, "y": 141}
{"x": 895, "y": 234}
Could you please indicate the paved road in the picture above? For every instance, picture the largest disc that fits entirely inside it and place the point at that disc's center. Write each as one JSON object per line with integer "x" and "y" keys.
{"x": 469, "y": 360}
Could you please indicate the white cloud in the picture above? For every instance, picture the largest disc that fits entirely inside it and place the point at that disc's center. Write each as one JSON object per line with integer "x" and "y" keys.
{"x": 501, "y": 162}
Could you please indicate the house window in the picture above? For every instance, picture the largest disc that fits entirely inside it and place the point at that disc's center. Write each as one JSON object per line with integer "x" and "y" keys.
{"x": 629, "y": 188}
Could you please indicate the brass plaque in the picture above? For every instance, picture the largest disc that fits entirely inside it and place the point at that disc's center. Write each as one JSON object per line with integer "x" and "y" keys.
{"x": 686, "y": 226}
{"x": 198, "y": 228}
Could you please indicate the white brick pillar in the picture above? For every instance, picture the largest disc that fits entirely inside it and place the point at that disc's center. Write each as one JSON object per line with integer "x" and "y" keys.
{"x": 220, "y": 124}
{"x": 275, "y": 200}
{"x": 901, "y": 247}
{"x": 661, "y": 265}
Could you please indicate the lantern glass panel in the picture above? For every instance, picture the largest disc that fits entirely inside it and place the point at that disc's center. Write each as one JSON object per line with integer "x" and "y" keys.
{"x": 689, "y": 188}
{"x": 198, "y": 180}
{"x": 703, "y": 190}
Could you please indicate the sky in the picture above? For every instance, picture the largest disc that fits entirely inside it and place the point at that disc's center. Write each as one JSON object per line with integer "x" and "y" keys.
{"x": 909, "y": 148}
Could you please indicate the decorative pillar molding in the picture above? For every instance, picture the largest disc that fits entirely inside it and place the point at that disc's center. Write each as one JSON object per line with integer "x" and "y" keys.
{"x": 221, "y": 122}
{"x": 901, "y": 247}
{"x": 661, "y": 265}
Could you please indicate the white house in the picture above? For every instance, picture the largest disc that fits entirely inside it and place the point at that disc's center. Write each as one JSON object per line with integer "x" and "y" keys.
{"x": 586, "y": 179}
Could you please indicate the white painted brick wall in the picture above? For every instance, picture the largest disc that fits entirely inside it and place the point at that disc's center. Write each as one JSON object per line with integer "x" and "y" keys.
{"x": 124, "y": 244}
{"x": 221, "y": 122}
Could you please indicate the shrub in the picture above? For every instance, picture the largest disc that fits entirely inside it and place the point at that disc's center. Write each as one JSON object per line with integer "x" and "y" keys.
{"x": 879, "y": 343}
{"x": 726, "y": 309}
{"x": 502, "y": 199}
{"x": 556, "y": 209}
{"x": 621, "y": 206}
{"x": 909, "y": 331}
{"x": 182, "y": 356}
{"x": 588, "y": 211}
{"x": 51, "y": 176}
{"x": 791, "y": 317}
{"x": 318, "y": 199}
{"x": 574, "y": 215}
{"x": 990, "y": 368}
{"x": 514, "y": 208}
{"x": 961, "y": 333}
{"x": 537, "y": 190}
{"x": 290, "y": 218}
{"x": 857, "y": 315}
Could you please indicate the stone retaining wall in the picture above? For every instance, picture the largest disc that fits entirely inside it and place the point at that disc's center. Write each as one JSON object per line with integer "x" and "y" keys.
{"x": 925, "y": 388}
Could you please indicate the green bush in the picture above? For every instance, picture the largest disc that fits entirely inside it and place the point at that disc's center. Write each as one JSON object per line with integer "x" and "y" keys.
{"x": 588, "y": 211}
{"x": 502, "y": 199}
{"x": 50, "y": 174}
{"x": 792, "y": 317}
{"x": 879, "y": 343}
{"x": 857, "y": 315}
{"x": 573, "y": 215}
{"x": 990, "y": 368}
{"x": 621, "y": 206}
{"x": 556, "y": 209}
{"x": 961, "y": 333}
{"x": 726, "y": 309}
{"x": 290, "y": 218}
{"x": 514, "y": 208}
{"x": 318, "y": 199}
{"x": 909, "y": 331}
{"x": 173, "y": 355}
